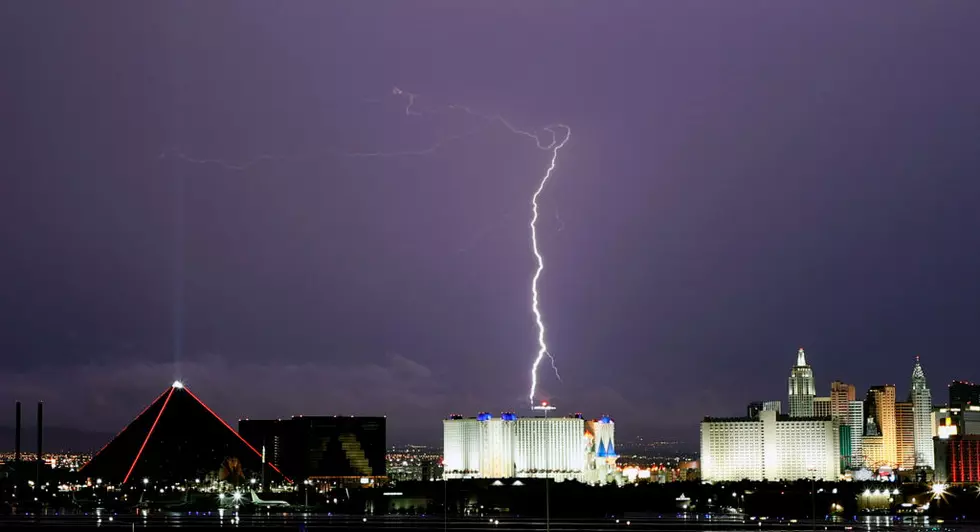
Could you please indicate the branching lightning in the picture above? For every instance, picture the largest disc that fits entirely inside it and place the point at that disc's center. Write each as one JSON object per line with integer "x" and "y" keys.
{"x": 557, "y": 137}
{"x": 543, "y": 351}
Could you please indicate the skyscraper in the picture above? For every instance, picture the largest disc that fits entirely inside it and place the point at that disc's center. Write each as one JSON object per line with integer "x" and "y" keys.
{"x": 841, "y": 395}
{"x": 801, "y": 388}
{"x": 880, "y": 407}
{"x": 559, "y": 448}
{"x": 921, "y": 399}
{"x": 905, "y": 434}
{"x": 855, "y": 418}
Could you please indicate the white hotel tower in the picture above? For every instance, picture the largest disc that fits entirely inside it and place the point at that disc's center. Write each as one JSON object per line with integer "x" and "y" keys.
{"x": 921, "y": 399}
{"x": 559, "y": 448}
{"x": 770, "y": 447}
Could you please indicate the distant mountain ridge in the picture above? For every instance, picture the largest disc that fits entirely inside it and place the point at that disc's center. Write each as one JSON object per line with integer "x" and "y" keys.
{"x": 56, "y": 439}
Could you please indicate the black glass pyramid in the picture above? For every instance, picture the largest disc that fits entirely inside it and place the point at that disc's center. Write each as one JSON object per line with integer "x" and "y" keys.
{"x": 176, "y": 438}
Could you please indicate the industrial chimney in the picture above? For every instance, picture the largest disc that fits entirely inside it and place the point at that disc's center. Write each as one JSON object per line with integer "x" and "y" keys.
{"x": 17, "y": 434}
{"x": 40, "y": 436}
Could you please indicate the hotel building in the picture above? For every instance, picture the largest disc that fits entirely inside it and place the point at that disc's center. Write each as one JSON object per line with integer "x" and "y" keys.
{"x": 879, "y": 407}
{"x": 560, "y": 448}
{"x": 770, "y": 447}
{"x": 841, "y": 395}
{"x": 855, "y": 419}
{"x": 904, "y": 436}
{"x": 957, "y": 459}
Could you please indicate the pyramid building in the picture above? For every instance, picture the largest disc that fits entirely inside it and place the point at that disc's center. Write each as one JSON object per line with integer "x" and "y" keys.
{"x": 177, "y": 438}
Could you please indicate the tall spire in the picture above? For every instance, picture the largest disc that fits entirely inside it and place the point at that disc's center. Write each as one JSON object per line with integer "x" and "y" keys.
{"x": 801, "y": 387}
{"x": 921, "y": 399}
{"x": 918, "y": 376}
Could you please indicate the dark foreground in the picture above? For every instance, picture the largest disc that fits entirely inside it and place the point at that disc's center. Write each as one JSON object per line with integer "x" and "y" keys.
{"x": 344, "y": 523}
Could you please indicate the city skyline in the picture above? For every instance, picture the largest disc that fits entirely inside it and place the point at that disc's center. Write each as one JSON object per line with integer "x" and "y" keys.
{"x": 737, "y": 186}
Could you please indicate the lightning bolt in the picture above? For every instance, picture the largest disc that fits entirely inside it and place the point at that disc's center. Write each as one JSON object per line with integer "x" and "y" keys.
{"x": 558, "y": 136}
{"x": 543, "y": 351}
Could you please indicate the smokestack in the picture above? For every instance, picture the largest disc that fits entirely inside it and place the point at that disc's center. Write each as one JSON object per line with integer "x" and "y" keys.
{"x": 40, "y": 436}
{"x": 17, "y": 434}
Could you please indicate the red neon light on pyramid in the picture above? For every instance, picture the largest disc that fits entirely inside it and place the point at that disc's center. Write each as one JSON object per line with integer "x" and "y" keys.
{"x": 177, "y": 437}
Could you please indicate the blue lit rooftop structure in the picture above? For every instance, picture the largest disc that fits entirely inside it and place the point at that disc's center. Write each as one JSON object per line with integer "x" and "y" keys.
{"x": 483, "y": 416}
{"x": 508, "y": 416}
{"x": 605, "y": 419}
{"x": 606, "y": 452}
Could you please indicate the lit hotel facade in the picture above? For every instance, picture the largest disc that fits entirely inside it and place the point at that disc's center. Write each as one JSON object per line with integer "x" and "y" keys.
{"x": 878, "y": 433}
{"x": 508, "y": 446}
{"x": 770, "y": 447}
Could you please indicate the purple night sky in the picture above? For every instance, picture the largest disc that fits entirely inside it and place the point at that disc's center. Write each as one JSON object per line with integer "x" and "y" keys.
{"x": 743, "y": 178}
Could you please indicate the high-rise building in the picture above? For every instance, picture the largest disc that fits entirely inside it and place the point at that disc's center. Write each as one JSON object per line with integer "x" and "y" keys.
{"x": 801, "y": 388}
{"x": 962, "y": 394}
{"x": 879, "y": 407}
{"x": 921, "y": 399}
{"x": 846, "y": 446}
{"x": 560, "y": 448}
{"x": 821, "y": 407}
{"x": 770, "y": 447}
{"x": 957, "y": 459}
{"x": 461, "y": 447}
{"x": 841, "y": 395}
{"x": 904, "y": 434}
{"x": 855, "y": 419}
{"x": 344, "y": 449}
{"x": 497, "y": 445}
{"x": 550, "y": 447}
{"x": 754, "y": 408}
